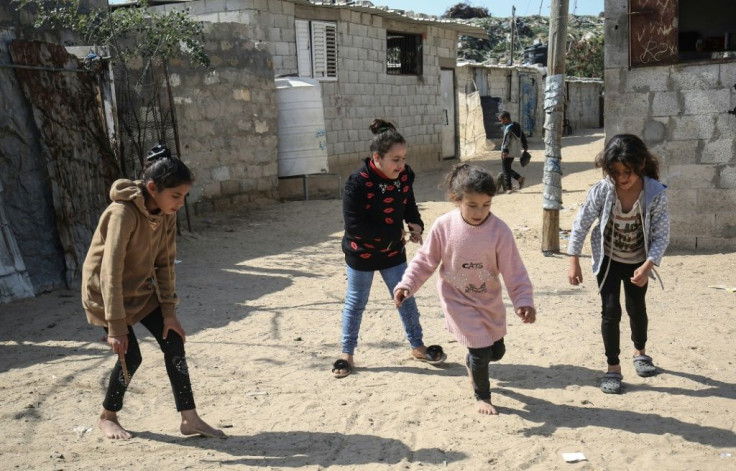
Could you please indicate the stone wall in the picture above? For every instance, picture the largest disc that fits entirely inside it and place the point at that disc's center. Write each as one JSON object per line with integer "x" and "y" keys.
{"x": 682, "y": 113}
{"x": 227, "y": 120}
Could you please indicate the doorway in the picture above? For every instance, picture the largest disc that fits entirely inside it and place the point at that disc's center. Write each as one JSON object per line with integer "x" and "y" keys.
{"x": 447, "y": 104}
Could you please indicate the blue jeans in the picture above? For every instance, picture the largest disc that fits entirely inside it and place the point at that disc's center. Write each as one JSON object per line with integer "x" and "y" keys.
{"x": 359, "y": 289}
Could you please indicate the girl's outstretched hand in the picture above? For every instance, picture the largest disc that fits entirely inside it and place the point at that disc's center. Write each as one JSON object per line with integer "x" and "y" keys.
{"x": 527, "y": 314}
{"x": 172, "y": 323}
{"x": 399, "y": 296}
{"x": 415, "y": 232}
{"x": 574, "y": 273}
{"x": 118, "y": 343}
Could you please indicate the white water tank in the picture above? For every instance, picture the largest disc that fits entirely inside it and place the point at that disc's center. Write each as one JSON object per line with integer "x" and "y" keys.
{"x": 301, "y": 127}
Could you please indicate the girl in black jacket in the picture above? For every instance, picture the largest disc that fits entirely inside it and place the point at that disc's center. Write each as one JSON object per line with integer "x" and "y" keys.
{"x": 378, "y": 199}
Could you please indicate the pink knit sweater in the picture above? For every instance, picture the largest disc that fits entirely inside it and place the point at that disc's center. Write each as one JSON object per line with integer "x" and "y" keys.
{"x": 470, "y": 260}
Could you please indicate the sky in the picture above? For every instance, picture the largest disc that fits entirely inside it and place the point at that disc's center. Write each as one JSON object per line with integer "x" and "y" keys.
{"x": 497, "y": 8}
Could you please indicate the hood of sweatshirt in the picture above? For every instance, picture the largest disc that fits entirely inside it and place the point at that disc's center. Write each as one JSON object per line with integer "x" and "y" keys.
{"x": 134, "y": 192}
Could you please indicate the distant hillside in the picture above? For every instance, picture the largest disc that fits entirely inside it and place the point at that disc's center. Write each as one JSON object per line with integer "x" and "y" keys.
{"x": 585, "y": 42}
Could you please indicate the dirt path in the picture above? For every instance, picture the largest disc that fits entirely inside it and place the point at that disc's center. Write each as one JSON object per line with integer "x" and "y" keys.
{"x": 261, "y": 300}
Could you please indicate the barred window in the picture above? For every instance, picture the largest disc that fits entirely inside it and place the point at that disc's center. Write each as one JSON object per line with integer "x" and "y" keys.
{"x": 403, "y": 53}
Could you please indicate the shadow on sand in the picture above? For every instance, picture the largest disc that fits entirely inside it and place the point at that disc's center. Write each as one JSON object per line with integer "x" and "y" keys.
{"x": 303, "y": 448}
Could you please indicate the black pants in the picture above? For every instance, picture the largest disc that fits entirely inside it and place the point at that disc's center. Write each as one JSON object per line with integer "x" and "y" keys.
{"x": 636, "y": 308}
{"x": 477, "y": 361}
{"x": 174, "y": 358}
{"x": 508, "y": 172}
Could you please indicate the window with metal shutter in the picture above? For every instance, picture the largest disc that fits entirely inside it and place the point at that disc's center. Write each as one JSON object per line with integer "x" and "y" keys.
{"x": 303, "y": 54}
{"x": 324, "y": 50}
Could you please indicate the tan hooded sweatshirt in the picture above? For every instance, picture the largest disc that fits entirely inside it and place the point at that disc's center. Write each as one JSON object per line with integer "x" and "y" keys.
{"x": 129, "y": 269}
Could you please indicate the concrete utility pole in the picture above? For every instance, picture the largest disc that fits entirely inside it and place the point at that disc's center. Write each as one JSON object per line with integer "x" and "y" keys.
{"x": 513, "y": 28}
{"x": 554, "y": 108}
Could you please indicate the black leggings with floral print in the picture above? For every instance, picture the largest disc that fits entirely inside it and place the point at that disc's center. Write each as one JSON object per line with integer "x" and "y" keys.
{"x": 174, "y": 358}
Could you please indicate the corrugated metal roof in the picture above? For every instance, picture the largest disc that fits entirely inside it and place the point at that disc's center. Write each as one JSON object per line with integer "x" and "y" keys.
{"x": 461, "y": 27}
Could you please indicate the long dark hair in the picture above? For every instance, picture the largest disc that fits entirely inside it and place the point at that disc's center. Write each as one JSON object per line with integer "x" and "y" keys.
{"x": 465, "y": 178}
{"x": 630, "y": 151}
{"x": 164, "y": 170}
{"x": 385, "y": 135}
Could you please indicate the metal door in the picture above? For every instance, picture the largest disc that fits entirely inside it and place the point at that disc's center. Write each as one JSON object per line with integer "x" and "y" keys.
{"x": 447, "y": 103}
{"x": 528, "y": 106}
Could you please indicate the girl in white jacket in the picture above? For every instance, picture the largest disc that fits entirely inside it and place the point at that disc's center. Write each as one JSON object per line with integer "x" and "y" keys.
{"x": 630, "y": 238}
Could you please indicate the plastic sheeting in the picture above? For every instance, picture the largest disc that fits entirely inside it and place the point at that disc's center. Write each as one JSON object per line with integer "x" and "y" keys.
{"x": 554, "y": 107}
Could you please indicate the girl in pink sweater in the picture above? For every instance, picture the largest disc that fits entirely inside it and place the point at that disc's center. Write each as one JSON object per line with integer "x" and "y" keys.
{"x": 473, "y": 249}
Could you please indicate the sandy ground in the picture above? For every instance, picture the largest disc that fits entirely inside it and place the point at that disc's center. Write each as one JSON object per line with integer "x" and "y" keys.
{"x": 261, "y": 300}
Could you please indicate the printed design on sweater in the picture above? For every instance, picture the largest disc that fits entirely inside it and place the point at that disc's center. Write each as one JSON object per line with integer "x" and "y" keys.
{"x": 396, "y": 185}
{"x": 375, "y": 208}
{"x": 470, "y": 277}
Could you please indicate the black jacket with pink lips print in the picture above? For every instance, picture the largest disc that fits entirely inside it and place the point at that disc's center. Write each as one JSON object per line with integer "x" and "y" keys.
{"x": 374, "y": 209}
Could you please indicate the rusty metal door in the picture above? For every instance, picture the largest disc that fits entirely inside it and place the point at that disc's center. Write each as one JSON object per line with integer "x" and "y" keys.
{"x": 528, "y": 103}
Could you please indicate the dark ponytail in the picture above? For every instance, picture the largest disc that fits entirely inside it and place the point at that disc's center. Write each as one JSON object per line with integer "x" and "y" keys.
{"x": 164, "y": 170}
{"x": 385, "y": 135}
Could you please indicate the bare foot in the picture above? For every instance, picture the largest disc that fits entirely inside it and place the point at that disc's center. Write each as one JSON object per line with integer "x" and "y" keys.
{"x": 108, "y": 423}
{"x": 485, "y": 407}
{"x": 192, "y": 424}
{"x": 419, "y": 352}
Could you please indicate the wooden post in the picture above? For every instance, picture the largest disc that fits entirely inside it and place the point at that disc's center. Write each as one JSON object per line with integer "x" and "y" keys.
{"x": 513, "y": 34}
{"x": 554, "y": 107}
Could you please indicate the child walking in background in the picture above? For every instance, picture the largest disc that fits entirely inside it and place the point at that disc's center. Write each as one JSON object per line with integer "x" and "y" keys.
{"x": 378, "y": 198}
{"x": 128, "y": 276}
{"x": 514, "y": 142}
{"x": 473, "y": 249}
{"x": 631, "y": 236}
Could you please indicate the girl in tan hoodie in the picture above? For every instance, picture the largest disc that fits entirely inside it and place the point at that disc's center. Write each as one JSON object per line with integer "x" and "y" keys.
{"x": 128, "y": 277}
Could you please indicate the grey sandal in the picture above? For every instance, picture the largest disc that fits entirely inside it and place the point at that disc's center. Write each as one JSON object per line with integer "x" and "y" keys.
{"x": 644, "y": 366}
{"x": 611, "y": 383}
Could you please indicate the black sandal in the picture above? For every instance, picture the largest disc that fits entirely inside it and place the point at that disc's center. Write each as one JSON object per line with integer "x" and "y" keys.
{"x": 434, "y": 356}
{"x": 341, "y": 364}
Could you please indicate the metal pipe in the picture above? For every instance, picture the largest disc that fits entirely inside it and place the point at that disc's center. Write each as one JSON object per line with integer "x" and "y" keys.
{"x": 48, "y": 69}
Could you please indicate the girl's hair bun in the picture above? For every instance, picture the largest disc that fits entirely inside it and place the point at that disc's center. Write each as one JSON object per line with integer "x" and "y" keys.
{"x": 159, "y": 151}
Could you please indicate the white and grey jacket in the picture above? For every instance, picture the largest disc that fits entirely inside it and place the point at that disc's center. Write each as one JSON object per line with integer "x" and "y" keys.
{"x": 599, "y": 205}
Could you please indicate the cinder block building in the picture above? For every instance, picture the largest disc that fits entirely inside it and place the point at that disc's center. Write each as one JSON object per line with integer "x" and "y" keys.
{"x": 368, "y": 62}
{"x": 670, "y": 77}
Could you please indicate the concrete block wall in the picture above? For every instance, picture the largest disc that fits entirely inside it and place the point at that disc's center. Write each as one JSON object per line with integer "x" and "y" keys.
{"x": 365, "y": 91}
{"x": 682, "y": 113}
{"x": 269, "y": 23}
{"x": 227, "y": 121}
{"x": 502, "y": 82}
{"x": 583, "y": 103}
